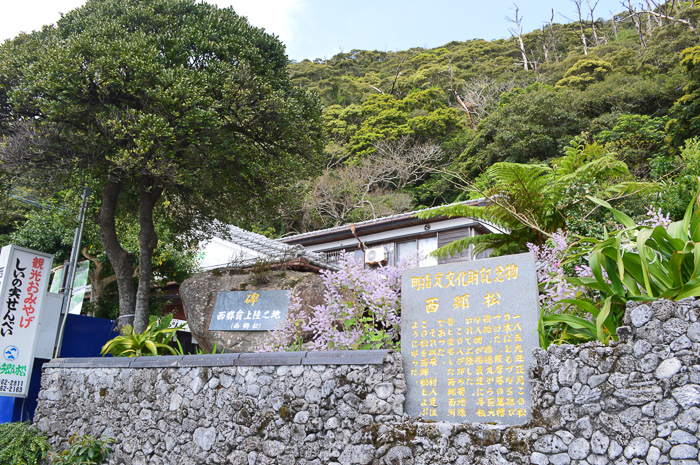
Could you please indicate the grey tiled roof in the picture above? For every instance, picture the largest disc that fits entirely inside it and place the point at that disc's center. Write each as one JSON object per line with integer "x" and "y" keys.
{"x": 385, "y": 219}
{"x": 274, "y": 249}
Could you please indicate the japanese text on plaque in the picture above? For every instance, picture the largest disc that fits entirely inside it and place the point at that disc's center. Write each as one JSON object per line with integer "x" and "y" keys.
{"x": 468, "y": 330}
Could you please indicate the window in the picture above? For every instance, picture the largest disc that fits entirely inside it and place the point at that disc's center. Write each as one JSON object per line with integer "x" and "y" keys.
{"x": 396, "y": 252}
{"x": 425, "y": 247}
{"x": 333, "y": 256}
{"x": 359, "y": 256}
{"x": 421, "y": 248}
{"x": 406, "y": 250}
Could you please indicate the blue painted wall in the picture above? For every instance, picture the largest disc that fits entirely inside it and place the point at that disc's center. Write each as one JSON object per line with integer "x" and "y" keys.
{"x": 84, "y": 336}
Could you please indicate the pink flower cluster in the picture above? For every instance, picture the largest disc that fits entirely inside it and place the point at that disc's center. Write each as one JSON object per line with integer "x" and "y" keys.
{"x": 359, "y": 303}
{"x": 289, "y": 335}
{"x": 550, "y": 272}
{"x": 657, "y": 218}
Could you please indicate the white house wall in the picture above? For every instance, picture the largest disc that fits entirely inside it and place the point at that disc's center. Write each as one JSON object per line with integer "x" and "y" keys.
{"x": 219, "y": 253}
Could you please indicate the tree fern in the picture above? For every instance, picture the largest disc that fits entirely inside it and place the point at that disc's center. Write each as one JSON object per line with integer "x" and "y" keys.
{"x": 523, "y": 201}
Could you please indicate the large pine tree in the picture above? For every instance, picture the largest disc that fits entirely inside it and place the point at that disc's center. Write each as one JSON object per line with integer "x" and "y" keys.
{"x": 156, "y": 102}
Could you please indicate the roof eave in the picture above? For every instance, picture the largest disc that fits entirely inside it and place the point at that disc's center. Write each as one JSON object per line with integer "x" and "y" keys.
{"x": 375, "y": 227}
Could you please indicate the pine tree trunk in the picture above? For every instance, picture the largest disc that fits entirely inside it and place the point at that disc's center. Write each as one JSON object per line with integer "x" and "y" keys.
{"x": 121, "y": 260}
{"x": 149, "y": 193}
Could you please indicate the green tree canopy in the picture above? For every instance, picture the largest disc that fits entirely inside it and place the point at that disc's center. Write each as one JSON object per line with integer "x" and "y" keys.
{"x": 686, "y": 112}
{"x": 585, "y": 72}
{"x": 165, "y": 103}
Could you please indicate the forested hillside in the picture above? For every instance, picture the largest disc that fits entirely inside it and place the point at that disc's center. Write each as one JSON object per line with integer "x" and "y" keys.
{"x": 420, "y": 127}
{"x": 555, "y": 126}
{"x": 415, "y": 128}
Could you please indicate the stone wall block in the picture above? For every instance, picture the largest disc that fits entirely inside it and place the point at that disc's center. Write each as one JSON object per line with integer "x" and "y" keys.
{"x": 694, "y": 332}
{"x": 638, "y": 447}
{"x": 636, "y": 401}
{"x": 687, "y": 396}
{"x": 568, "y": 373}
{"x": 652, "y": 332}
{"x": 640, "y": 315}
{"x": 663, "y": 310}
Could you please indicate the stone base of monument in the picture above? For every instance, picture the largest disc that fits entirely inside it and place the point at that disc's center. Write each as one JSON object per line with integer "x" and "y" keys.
{"x": 199, "y": 295}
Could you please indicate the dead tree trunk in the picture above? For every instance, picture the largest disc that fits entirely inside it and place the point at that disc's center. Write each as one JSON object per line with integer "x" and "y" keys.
{"x": 637, "y": 24}
{"x": 582, "y": 26}
{"x": 659, "y": 18}
{"x": 596, "y": 40}
{"x": 459, "y": 100}
{"x": 396, "y": 77}
{"x": 518, "y": 32}
{"x": 551, "y": 37}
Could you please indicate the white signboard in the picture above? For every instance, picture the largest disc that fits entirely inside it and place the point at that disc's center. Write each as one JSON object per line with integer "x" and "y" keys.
{"x": 24, "y": 279}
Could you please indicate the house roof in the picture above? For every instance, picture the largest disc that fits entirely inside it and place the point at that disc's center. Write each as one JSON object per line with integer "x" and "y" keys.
{"x": 373, "y": 226}
{"x": 274, "y": 249}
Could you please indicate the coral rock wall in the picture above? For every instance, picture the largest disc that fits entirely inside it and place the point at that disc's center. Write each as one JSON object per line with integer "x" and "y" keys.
{"x": 636, "y": 402}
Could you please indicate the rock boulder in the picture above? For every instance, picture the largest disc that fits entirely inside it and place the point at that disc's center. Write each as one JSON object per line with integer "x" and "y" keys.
{"x": 199, "y": 296}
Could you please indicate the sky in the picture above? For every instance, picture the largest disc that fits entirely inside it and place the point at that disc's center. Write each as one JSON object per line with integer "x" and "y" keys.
{"x": 321, "y": 28}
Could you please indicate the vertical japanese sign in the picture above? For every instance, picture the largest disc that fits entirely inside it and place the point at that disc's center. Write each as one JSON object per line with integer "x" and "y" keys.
{"x": 467, "y": 334}
{"x": 24, "y": 278}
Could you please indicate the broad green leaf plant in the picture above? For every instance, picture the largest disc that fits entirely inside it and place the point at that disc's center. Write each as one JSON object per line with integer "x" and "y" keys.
{"x": 84, "y": 450}
{"x": 153, "y": 341}
{"x": 524, "y": 201}
{"x": 637, "y": 263}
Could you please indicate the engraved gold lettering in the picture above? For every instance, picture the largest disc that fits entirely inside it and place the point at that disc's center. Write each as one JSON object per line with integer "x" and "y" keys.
{"x": 431, "y": 305}
{"x": 492, "y": 298}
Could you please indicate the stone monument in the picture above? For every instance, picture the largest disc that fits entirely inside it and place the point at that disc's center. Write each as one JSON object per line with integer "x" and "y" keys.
{"x": 201, "y": 295}
{"x": 467, "y": 334}
{"x": 249, "y": 310}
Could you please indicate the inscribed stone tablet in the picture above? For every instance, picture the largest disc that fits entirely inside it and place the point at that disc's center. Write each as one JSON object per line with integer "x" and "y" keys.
{"x": 467, "y": 334}
{"x": 249, "y": 310}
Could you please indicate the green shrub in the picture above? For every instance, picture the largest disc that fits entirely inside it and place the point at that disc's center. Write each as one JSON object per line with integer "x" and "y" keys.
{"x": 637, "y": 263}
{"x": 262, "y": 271}
{"x": 22, "y": 444}
{"x": 85, "y": 450}
{"x": 153, "y": 340}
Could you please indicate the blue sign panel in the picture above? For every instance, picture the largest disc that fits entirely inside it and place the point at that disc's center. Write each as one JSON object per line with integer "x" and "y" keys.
{"x": 249, "y": 310}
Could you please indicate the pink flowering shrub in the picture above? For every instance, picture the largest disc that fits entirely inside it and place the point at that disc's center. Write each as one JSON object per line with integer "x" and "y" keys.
{"x": 362, "y": 310}
{"x": 551, "y": 273}
{"x": 289, "y": 335}
{"x": 551, "y": 257}
{"x": 657, "y": 218}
